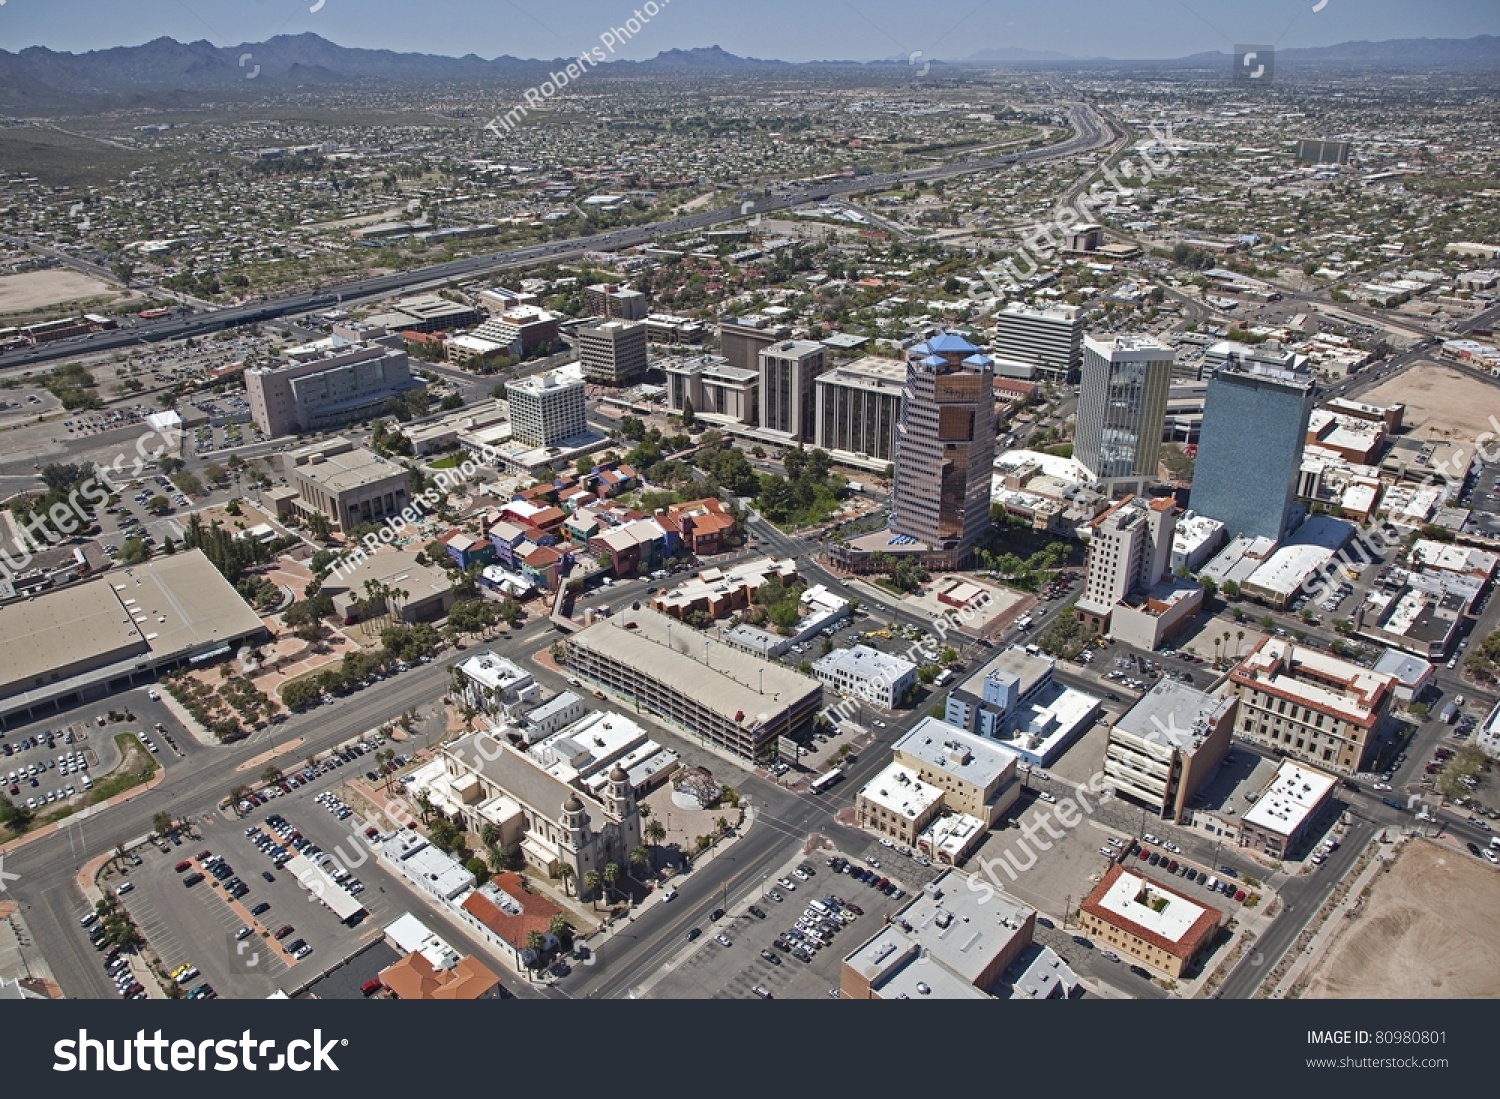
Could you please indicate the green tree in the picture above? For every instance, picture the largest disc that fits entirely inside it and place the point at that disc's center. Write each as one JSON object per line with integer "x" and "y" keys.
{"x": 591, "y": 882}
{"x": 611, "y": 875}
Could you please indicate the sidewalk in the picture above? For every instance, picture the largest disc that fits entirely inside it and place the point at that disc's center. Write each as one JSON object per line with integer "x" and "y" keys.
{"x": 689, "y": 948}
{"x": 1335, "y": 919}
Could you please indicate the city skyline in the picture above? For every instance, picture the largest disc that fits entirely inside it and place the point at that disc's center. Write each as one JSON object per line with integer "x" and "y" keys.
{"x": 881, "y": 30}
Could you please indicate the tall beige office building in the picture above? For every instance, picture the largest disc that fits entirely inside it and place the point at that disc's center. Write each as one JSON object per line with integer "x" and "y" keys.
{"x": 613, "y": 353}
{"x": 787, "y": 373}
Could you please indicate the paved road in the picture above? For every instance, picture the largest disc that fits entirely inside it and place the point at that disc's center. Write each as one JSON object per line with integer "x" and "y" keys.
{"x": 1090, "y": 131}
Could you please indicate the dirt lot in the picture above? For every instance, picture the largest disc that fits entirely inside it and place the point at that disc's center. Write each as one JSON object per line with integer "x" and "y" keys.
{"x": 39, "y": 289}
{"x": 1425, "y": 933}
{"x": 1440, "y": 403}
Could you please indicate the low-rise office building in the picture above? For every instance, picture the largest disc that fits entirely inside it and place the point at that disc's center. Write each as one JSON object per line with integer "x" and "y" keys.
{"x": 1311, "y": 705}
{"x": 978, "y": 778}
{"x": 863, "y": 672}
{"x": 1015, "y": 700}
{"x": 346, "y": 484}
{"x": 1149, "y": 922}
{"x": 1287, "y": 811}
{"x": 954, "y": 940}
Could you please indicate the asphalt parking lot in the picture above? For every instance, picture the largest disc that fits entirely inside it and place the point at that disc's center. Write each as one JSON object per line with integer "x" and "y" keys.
{"x": 706, "y": 969}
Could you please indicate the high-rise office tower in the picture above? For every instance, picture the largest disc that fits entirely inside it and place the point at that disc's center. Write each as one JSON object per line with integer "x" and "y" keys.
{"x": 945, "y": 445}
{"x": 1050, "y": 340}
{"x": 548, "y": 409}
{"x": 741, "y": 339}
{"x": 859, "y": 405}
{"x": 1122, "y": 407}
{"x": 787, "y": 373}
{"x": 1250, "y": 451}
{"x": 613, "y": 353}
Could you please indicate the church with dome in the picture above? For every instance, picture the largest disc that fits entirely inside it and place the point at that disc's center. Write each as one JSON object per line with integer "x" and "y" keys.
{"x": 561, "y": 828}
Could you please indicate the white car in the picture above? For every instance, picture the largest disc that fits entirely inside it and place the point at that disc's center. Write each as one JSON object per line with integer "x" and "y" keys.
{"x": 1044, "y": 796}
{"x": 670, "y": 894}
{"x": 1381, "y": 786}
{"x": 1172, "y": 847}
{"x": 787, "y": 883}
{"x": 124, "y": 887}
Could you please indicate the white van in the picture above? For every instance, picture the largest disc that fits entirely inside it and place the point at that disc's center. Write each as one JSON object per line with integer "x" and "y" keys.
{"x": 1212, "y": 883}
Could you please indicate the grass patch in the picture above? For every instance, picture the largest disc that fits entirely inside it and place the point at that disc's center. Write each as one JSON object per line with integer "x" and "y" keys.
{"x": 453, "y": 461}
{"x": 137, "y": 767}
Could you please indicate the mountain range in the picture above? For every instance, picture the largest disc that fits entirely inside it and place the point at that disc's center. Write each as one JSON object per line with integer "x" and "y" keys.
{"x": 164, "y": 71}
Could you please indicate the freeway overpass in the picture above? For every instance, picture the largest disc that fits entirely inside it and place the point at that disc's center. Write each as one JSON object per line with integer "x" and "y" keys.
{"x": 1090, "y": 131}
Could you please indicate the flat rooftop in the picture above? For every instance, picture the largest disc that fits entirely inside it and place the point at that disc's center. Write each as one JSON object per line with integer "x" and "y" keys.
{"x": 955, "y": 751}
{"x": 1292, "y": 797}
{"x": 1174, "y": 714}
{"x": 165, "y": 609}
{"x": 1154, "y": 912}
{"x": 1315, "y": 679}
{"x": 901, "y": 791}
{"x": 730, "y": 682}
{"x": 339, "y": 469}
{"x": 1017, "y": 662}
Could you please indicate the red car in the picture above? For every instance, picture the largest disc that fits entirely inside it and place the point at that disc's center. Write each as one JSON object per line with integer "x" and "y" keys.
{"x": 283, "y": 931}
{"x": 182, "y": 867}
{"x": 204, "y": 854}
{"x": 369, "y": 988}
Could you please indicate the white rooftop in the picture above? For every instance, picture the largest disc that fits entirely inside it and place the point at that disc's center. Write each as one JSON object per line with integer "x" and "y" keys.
{"x": 1141, "y": 903}
{"x": 900, "y": 790}
{"x": 1293, "y": 794}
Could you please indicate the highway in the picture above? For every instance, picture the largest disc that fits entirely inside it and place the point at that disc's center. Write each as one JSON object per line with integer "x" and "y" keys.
{"x": 1090, "y": 131}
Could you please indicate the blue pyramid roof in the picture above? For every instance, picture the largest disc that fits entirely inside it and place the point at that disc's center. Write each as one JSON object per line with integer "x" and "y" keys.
{"x": 950, "y": 343}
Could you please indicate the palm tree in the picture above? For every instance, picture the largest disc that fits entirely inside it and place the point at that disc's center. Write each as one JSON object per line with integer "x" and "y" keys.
{"x": 1217, "y": 643}
{"x": 161, "y": 823}
{"x": 1240, "y": 640}
{"x": 655, "y": 832}
{"x": 558, "y": 925}
{"x": 534, "y": 940}
{"x": 591, "y": 880}
{"x": 489, "y": 833}
{"x": 565, "y": 872}
{"x": 639, "y": 857}
{"x": 611, "y": 875}
{"x": 424, "y": 808}
{"x": 644, "y": 811}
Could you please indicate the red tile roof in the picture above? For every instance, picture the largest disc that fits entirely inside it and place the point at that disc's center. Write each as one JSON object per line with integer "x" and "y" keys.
{"x": 536, "y": 915}
{"x": 415, "y": 978}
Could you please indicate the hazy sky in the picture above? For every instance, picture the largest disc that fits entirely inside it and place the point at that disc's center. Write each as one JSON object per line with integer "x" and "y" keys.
{"x": 793, "y": 30}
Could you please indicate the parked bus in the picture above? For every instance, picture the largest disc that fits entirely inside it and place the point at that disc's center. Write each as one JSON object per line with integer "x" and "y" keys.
{"x": 823, "y": 782}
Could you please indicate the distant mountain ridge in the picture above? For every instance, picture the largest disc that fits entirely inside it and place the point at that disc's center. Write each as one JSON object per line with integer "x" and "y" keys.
{"x": 37, "y": 78}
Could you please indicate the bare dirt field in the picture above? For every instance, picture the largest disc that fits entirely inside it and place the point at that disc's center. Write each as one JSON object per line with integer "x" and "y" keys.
{"x": 36, "y": 290}
{"x": 1425, "y": 933}
{"x": 1440, "y": 403}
